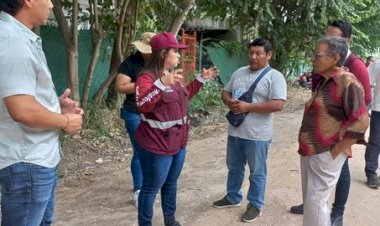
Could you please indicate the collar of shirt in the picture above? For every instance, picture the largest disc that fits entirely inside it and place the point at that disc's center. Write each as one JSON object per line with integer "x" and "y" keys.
{"x": 20, "y": 27}
{"x": 348, "y": 53}
{"x": 334, "y": 77}
{"x": 335, "y": 74}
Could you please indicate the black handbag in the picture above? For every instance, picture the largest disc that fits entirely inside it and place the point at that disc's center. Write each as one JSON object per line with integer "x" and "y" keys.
{"x": 237, "y": 119}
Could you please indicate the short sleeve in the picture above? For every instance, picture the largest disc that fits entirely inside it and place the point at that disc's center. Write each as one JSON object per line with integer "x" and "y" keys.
{"x": 228, "y": 87}
{"x": 374, "y": 72}
{"x": 279, "y": 88}
{"x": 124, "y": 67}
{"x": 18, "y": 71}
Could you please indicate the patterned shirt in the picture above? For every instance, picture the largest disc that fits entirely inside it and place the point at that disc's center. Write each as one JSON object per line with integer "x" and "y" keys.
{"x": 337, "y": 110}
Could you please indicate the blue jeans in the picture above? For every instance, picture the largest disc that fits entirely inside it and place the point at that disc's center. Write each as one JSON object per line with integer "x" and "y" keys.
{"x": 131, "y": 121}
{"x": 159, "y": 172}
{"x": 342, "y": 191}
{"x": 240, "y": 152}
{"x": 27, "y": 195}
{"x": 373, "y": 148}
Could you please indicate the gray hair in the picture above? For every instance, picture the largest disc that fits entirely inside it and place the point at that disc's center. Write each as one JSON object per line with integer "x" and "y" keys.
{"x": 336, "y": 46}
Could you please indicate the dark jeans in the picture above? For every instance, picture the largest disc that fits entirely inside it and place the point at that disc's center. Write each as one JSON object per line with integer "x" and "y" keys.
{"x": 373, "y": 148}
{"x": 27, "y": 195}
{"x": 342, "y": 190}
{"x": 131, "y": 121}
{"x": 159, "y": 172}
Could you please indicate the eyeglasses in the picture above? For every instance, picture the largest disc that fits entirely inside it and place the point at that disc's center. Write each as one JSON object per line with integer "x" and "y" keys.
{"x": 316, "y": 55}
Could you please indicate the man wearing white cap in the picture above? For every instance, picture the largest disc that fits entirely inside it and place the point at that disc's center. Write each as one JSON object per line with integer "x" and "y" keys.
{"x": 125, "y": 84}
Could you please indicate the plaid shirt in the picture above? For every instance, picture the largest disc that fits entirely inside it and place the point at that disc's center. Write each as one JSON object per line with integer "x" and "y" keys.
{"x": 337, "y": 110}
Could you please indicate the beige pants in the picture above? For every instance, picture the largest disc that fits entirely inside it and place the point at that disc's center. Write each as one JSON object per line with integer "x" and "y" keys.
{"x": 319, "y": 174}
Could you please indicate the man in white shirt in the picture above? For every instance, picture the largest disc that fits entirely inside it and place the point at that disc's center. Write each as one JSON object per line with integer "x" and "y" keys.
{"x": 31, "y": 117}
{"x": 373, "y": 148}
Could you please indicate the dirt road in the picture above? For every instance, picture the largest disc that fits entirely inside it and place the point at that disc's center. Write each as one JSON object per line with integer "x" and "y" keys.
{"x": 104, "y": 198}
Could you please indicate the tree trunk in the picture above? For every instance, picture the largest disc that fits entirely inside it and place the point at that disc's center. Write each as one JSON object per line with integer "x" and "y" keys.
{"x": 91, "y": 69}
{"x": 98, "y": 37}
{"x": 71, "y": 43}
{"x": 176, "y": 24}
{"x": 123, "y": 41}
{"x": 127, "y": 28}
{"x": 103, "y": 88}
{"x": 72, "y": 72}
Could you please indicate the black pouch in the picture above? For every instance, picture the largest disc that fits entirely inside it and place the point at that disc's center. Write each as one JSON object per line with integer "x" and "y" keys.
{"x": 237, "y": 119}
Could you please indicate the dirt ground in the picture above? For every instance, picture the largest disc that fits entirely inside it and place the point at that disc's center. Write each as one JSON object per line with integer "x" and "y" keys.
{"x": 96, "y": 189}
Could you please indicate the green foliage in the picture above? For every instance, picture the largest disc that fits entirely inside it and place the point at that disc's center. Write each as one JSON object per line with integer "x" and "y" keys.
{"x": 109, "y": 17}
{"x": 146, "y": 20}
{"x": 366, "y": 21}
{"x": 232, "y": 47}
{"x": 156, "y": 15}
{"x": 294, "y": 26}
{"x": 100, "y": 121}
{"x": 207, "y": 98}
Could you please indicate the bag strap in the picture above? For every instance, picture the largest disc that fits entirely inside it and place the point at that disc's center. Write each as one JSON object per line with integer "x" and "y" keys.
{"x": 253, "y": 86}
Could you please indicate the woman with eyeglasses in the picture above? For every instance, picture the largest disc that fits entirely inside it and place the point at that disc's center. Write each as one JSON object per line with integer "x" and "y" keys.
{"x": 334, "y": 119}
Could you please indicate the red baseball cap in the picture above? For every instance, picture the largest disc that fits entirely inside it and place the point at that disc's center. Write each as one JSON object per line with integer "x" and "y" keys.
{"x": 165, "y": 40}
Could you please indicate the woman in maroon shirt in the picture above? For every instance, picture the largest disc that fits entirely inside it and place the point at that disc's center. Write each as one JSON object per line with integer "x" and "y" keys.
{"x": 162, "y": 100}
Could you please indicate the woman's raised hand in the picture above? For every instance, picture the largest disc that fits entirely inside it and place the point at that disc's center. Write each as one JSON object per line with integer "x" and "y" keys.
{"x": 210, "y": 73}
{"x": 170, "y": 78}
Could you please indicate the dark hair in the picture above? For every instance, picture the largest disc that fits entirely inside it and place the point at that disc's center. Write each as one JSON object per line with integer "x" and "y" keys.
{"x": 156, "y": 62}
{"x": 11, "y": 6}
{"x": 336, "y": 46}
{"x": 370, "y": 58}
{"x": 344, "y": 26}
{"x": 261, "y": 42}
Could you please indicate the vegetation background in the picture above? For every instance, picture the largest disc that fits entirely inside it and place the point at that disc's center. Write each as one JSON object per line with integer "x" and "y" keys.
{"x": 293, "y": 26}
{"x": 95, "y": 166}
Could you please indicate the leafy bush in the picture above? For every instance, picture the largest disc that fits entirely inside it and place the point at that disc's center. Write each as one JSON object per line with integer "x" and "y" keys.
{"x": 207, "y": 99}
{"x": 100, "y": 121}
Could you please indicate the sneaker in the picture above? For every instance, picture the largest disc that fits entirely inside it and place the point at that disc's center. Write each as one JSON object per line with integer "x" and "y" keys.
{"x": 176, "y": 223}
{"x": 336, "y": 220}
{"x": 373, "y": 182}
{"x": 136, "y": 198}
{"x": 224, "y": 203}
{"x": 251, "y": 214}
{"x": 297, "y": 209}
{"x": 170, "y": 221}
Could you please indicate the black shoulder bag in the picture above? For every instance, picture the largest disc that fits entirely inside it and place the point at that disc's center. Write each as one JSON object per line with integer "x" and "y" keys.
{"x": 237, "y": 119}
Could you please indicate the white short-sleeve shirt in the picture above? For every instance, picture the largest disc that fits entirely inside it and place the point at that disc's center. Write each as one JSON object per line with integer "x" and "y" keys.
{"x": 374, "y": 72}
{"x": 271, "y": 87}
{"x": 24, "y": 71}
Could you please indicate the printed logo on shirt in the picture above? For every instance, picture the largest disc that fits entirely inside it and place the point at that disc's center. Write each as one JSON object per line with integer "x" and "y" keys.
{"x": 238, "y": 92}
{"x": 147, "y": 98}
